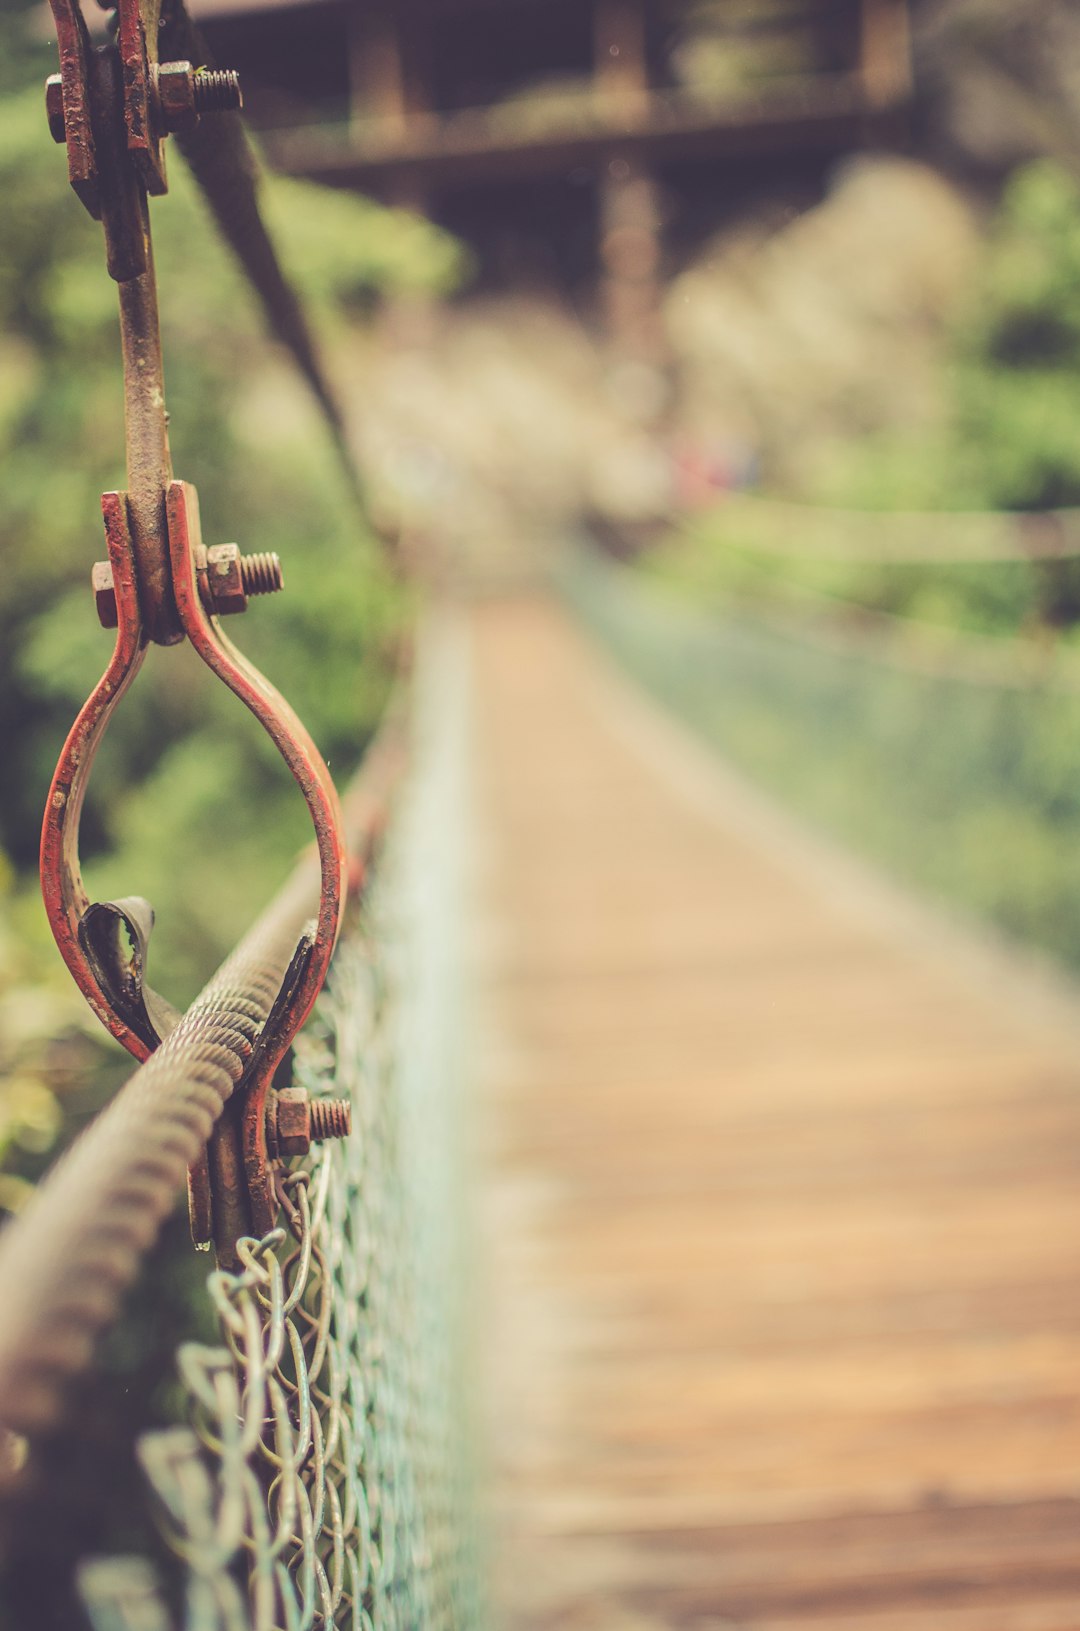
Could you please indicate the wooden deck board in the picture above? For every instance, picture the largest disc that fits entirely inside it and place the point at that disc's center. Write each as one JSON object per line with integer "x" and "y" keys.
{"x": 783, "y": 1213}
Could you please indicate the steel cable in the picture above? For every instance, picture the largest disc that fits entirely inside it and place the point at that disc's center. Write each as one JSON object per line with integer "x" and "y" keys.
{"x": 224, "y": 166}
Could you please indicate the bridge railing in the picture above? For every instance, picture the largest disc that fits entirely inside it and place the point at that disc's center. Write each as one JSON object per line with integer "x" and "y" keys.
{"x": 950, "y": 758}
{"x": 312, "y": 1467}
{"x": 791, "y": 531}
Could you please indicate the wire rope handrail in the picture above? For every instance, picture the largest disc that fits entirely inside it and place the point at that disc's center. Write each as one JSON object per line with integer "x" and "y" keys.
{"x": 762, "y": 524}
{"x": 846, "y": 630}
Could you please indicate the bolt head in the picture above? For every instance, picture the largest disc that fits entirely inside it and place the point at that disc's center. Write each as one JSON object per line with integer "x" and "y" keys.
{"x": 176, "y": 95}
{"x": 101, "y": 581}
{"x": 292, "y": 1117}
{"x": 54, "y": 107}
{"x": 224, "y": 579}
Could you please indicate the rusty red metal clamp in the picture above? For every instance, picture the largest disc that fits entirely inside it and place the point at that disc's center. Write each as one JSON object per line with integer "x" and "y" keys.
{"x": 113, "y": 105}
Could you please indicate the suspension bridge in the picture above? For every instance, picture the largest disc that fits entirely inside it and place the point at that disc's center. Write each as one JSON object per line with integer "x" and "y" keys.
{"x": 763, "y": 1181}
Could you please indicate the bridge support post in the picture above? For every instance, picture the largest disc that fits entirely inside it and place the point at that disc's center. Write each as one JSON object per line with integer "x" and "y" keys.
{"x": 630, "y": 257}
{"x": 629, "y": 220}
{"x": 388, "y": 81}
{"x": 885, "y": 52}
{"x": 621, "y": 61}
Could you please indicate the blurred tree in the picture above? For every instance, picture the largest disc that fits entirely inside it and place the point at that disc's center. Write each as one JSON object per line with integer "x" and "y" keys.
{"x": 1009, "y": 364}
{"x": 1019, "y": 351}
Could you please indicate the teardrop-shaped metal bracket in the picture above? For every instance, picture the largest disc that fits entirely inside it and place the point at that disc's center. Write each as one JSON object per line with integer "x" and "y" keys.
{"x": 91, "y": 936}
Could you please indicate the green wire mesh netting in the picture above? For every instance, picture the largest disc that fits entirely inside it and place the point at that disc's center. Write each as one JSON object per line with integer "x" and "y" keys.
{"x": 951, "y": 759}
{"x": 325, "y": 1474}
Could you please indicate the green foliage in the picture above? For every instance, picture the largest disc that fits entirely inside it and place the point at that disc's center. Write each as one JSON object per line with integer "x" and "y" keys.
{"x": 345, "y": 249}
{"x": 848, "y": 681}
{"x": 1019, "y": 352}
{"x": 1011, "y": 443}
{"x": 1012, "y": 436}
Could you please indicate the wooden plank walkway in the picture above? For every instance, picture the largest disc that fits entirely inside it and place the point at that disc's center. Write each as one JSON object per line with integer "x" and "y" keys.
{"x": 781, "y": 1203}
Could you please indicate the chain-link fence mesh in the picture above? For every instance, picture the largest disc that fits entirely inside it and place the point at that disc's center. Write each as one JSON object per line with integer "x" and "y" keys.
{"x": 951, "y": 759}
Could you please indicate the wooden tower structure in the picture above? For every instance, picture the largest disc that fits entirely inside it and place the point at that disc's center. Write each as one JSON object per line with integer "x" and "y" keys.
{"x": 547, "y": 124}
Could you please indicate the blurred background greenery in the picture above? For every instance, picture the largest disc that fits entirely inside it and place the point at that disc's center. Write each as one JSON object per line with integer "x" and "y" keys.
{"x": 888, "y": 639}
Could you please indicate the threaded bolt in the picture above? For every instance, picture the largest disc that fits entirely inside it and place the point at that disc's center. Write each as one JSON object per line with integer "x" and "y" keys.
{"x": 184, "y": 92}
{"x": 261, "y": 574}
{"x": 330, "y": 1118}
{"x": 294, "y": 1122}
{"x": 216, "y": 90}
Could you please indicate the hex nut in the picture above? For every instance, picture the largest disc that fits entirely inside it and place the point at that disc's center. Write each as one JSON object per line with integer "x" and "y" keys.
{"x": 101, "y": 581}
{"x": 176, "y": 95}
{"x": 54, "y": 107}
{"x": 224, "y": 579}
{"x": 292, "y": 1121}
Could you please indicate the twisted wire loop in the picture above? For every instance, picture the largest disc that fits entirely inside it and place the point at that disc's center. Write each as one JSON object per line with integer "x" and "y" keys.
{"x": 324, "y": 1478}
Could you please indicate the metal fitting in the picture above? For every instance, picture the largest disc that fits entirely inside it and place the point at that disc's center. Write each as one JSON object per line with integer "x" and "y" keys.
{"x": 227, "y": 576}
{"x": 184, "y": 92}
{"x": 224, "y": 580}
{"x": 54, "y": 107}
{"x": 232, "y": 577}
{"x": 101, "y": 581}
{"x": 294, "y": 1122}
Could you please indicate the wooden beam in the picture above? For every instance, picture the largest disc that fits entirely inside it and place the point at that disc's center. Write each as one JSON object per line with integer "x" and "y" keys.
{"x": 630, "y": 256}
{"x": 885, "y": 51}
{"x": 833, "y": 120}
{"x": 620, "y": 60}
{"x": 387, "y": 78}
